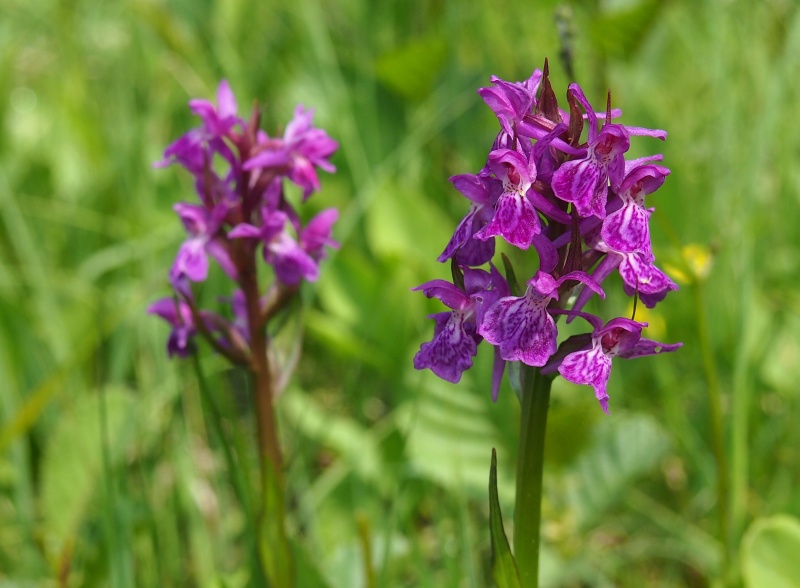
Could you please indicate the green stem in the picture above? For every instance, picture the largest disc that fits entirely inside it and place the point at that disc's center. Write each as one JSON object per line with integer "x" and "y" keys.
{"x": 717, "y": 427}
{"x": 530, "y": 467}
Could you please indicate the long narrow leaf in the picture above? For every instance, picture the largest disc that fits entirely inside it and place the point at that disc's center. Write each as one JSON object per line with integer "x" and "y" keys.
{"x": 504, "y": 568}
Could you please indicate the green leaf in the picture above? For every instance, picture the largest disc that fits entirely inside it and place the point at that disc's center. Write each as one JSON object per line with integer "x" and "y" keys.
{"x": 769, "y": 552}
{"x": 504, "y": 568}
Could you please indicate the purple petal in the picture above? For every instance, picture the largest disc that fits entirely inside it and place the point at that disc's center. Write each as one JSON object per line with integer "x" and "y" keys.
{"x": 291, "y": 263}
{"x": 317, "y": 233}
{"x": 450, "y": 352}
{"x": 627, "y": 230}
{"x": 648, "y": 347}
{"x": 590, "y": 367}
{"x": 584, "y": 183}
{"x": 609, "y": 146}
{"x": 645, "y": 278}
{"x": 511, "y": 101}
{"x": 522, "y": 328}
{"x": 479, "y": 189}
{"x": 304, "y": 175}
{"x": 462, "y": 234}
{"x": 498, "y": 367}
{"x": 585, "y": 279}
{"x": 197, "y": 219}
{"x": 449, "y": 294}
{"x": 475, "y": 252}
{"x": 619, "y": 335}
{"x": 245, "y": 231}
{"x": 268, "y": 158}
{"x": 548, "y": 254}
{"x": 191, "y": 260}
{"x": 174, "y": 312}
{"x": 220, "y": 253}
{"x": 514, "y": 219}
{"x": 514, "y": 169}
{"x": 187, "y": 151}
{"x": 225, "y": 100}
{"x": 548, "y": 208}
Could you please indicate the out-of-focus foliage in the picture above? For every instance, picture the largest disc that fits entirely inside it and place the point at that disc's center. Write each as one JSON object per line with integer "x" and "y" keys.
{"x": 110, "y": 473}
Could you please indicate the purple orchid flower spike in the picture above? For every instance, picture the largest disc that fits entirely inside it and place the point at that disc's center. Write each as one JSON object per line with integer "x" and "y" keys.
{"x": 619, "y": 337}
{"x": 483, "y": 192}
{"x": 178, "y": 314}
{"x": 522, "y": 326}
{"x": 239, "y": 173}
{"x": 581, "y": 206}
{"x": 280, "y": 250}
{"x": 202, "y": 226}
{"x": 626, "y": 230}
{"x": 515, "y": 218}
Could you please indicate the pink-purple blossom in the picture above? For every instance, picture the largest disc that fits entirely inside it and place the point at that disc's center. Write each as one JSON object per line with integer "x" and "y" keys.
{"x": 620, "y": 337}
{"x": 580, "y": 205}
{"x": 239, "y": 173}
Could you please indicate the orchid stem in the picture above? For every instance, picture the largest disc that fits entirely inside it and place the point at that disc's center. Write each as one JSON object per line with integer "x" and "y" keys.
{"x": 273, "y": 542}
{"x": 530, "y": 468}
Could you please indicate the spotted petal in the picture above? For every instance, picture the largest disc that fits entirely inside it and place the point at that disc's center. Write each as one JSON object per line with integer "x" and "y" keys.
{"x": 626, "y": 230}
{"x": 522, "y": 328}
{"x": 591, "y": 367}
{"x": 451, "y": 350}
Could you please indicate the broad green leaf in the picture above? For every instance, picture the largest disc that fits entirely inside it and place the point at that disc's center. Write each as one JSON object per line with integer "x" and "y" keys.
{"x": 504, "y": 569}
{"x": 769, "y": 553}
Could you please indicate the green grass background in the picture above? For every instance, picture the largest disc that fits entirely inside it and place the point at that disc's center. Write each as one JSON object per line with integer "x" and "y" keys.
{"x": 110, "y": 472}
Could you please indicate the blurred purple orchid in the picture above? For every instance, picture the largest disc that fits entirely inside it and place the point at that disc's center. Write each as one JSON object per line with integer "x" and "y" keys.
{"x": 239, "y": 171}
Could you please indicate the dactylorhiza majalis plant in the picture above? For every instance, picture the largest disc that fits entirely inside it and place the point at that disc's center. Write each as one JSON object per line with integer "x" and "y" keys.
{"x": 580, "y": 205}
{"x": 243, "y": 218}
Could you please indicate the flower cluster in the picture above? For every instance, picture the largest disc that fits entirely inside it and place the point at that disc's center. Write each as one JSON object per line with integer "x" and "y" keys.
{"x": 239, "y": 174}
{"x": 581, "y": 206}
